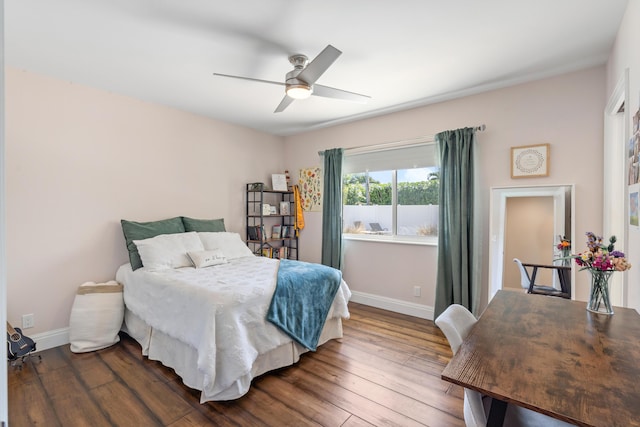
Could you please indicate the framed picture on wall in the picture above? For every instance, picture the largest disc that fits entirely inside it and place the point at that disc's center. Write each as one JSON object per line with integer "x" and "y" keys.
{"x": 530, "y": 161}
{"x": 633, "y": 206}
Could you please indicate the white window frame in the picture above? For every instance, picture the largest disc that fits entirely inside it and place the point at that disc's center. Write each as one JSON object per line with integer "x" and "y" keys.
{"x": 393, "y": 238}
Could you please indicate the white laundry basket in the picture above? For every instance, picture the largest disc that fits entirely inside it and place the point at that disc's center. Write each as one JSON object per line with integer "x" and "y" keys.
{"x": 96, "y": 316}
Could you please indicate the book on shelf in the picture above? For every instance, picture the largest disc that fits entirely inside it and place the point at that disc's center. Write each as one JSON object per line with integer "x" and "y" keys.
{"x": 285, "y": 232}
{"x": 253, "y": 232}
{"x": 256, "y": 232}
{"x": 279, "y": 253}
{"x": 276, "y": 231}
{"x": 283, "y": 252}
{"x": 290, "y": 232}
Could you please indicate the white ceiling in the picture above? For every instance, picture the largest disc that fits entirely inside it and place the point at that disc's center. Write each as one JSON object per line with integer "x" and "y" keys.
{"x": 402, "y": 53}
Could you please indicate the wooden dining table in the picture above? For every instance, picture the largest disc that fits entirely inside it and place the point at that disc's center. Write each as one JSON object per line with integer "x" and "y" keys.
{"x": 553, "y": 356}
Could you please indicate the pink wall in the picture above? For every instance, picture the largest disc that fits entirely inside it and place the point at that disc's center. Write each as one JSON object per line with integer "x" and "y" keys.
{"x": 79, "y": 159}
{"x": 564, "y": 111}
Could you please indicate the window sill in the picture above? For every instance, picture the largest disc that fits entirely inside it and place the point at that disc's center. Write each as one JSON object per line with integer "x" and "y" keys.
{"x": 403, "y": 240}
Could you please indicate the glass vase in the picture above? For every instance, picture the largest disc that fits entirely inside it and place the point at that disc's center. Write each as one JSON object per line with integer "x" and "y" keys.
{"x": 566, "y": 261}
{"x": 599, "y": 301}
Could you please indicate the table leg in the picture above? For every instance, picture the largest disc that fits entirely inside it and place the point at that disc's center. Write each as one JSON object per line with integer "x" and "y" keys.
{"x": 496, "y": 413}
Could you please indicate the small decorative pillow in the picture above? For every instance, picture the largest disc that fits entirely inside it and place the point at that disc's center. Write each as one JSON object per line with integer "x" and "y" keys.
{"x": 202, "y": 259}
{"x": 230, "y": 244}
{"x": 168, "y": 250}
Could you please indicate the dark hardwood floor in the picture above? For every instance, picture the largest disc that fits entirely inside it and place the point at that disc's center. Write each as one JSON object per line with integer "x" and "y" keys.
{"x": 385, "y": 371}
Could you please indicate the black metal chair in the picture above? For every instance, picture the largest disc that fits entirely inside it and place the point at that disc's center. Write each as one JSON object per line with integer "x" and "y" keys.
{"x": 528, "y": 282}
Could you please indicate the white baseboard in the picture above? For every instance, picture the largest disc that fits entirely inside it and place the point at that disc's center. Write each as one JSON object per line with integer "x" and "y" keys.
{"x": 398, "y": 306}
{"x": 51, "y": 339}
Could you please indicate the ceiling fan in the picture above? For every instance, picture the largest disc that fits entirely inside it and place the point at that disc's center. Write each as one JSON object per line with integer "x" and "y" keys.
{"x": 300, "y": 83}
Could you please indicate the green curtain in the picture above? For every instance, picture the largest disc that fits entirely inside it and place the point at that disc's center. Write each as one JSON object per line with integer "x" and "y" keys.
{"x": 458, "y": 236}
{"x": 332, "y": 209}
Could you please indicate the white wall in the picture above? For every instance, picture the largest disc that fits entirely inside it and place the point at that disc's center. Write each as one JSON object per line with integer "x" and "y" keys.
{"x": 564, "y": 111}
{"x": 79, "y": 159}
{"x": 625, "y": 56}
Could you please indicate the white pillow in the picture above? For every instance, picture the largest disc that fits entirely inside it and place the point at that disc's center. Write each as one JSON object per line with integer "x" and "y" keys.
{"x": 229, "y": 243}
{"x": 202, "y": 259}
{"x": 168, "y": 250}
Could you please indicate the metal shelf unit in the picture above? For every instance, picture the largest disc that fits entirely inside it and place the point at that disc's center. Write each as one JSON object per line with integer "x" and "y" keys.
{"x": 263, "y": 243}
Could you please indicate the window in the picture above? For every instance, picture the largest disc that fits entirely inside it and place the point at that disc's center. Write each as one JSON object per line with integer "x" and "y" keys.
{"x": 392, "y": 194}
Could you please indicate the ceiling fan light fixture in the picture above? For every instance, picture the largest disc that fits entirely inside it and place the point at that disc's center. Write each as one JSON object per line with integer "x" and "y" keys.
{"x": 299, "y": 91}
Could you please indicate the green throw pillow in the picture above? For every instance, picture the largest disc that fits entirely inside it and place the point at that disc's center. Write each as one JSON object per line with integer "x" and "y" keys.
{"x": 145, "y": 230}
{"x": 203, "y": 225}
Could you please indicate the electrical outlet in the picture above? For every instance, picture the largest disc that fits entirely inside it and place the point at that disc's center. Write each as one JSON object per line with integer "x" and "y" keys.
{"x": 27, "y": 321}
{"x": 416, "y": 291}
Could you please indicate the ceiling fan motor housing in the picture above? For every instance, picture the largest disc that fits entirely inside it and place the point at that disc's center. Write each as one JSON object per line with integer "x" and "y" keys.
{"x": 292, "y": 82}
{"x": 298, "y": 60}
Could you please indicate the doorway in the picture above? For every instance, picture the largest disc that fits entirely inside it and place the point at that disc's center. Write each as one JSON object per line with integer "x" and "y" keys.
{"x": 515, "y": 209}
{"x": 531, "y": 243}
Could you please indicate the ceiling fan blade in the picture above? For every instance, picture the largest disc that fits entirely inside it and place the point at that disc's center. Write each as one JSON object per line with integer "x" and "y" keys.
{"x": 331, "y": 92}
{"x": 249, "y": 78}
{"x": 319, "y": 65}
{"x": 286, "y": 101}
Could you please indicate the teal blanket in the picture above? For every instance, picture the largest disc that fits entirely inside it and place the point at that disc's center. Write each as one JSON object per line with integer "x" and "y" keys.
{"x": 302, "y": 299}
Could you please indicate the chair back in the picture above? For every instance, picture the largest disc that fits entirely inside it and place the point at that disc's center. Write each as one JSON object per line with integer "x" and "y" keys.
{"x": 525, "y": 280}
{"x": 455, "y": 323}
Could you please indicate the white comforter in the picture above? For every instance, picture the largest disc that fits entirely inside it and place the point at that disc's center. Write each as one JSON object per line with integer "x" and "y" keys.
{"x": 220, "y": 311}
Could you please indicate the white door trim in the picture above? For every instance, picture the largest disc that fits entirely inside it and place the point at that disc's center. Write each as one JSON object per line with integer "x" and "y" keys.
{"x": 614, "y": 219}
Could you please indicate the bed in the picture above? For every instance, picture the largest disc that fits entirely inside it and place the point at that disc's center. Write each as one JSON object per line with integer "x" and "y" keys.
{"x": 203, "y": 304}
